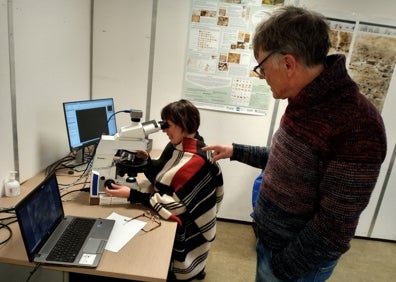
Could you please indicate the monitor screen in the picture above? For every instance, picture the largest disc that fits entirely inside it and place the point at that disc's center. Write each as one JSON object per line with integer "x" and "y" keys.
{"x": 87, "y": 120}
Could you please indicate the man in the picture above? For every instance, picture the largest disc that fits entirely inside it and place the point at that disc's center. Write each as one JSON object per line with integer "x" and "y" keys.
{"x": 325, "y": 157}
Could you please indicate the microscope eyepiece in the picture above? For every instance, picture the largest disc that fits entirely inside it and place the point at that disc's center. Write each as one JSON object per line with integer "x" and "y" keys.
{"x": 163, "y": 124}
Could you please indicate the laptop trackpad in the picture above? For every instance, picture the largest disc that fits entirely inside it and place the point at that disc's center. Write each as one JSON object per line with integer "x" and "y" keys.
{"x": 94, "y": 246}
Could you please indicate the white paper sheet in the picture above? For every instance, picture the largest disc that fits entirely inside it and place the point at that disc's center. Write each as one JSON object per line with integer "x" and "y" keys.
{"x": 123, "y": 231}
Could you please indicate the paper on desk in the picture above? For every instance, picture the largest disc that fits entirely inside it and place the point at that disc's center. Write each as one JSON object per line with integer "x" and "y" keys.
{"x": 122, "y": 231}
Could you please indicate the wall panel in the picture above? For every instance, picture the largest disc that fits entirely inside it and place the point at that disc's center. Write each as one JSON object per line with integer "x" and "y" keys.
{"x": 52, "y": 58}
{"x": 6, "y": 149}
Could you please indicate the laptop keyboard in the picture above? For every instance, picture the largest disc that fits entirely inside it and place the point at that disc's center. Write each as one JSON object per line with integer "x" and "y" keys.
{"x": 71, "y": 241}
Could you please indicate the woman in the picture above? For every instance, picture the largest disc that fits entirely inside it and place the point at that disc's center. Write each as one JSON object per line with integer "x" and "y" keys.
{"x": 188, "y": 188}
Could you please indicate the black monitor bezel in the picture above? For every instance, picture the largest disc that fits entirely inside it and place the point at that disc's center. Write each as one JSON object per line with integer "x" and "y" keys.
{"x": 95, "y": 141}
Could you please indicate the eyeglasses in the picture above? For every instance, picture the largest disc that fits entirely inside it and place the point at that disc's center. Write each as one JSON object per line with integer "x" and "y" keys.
{"x": 153, "y": 223}
{"x": 257, "y": 69}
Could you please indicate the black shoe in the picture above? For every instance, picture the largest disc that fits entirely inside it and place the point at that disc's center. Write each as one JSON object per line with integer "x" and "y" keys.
{"x": 201, "y": 275}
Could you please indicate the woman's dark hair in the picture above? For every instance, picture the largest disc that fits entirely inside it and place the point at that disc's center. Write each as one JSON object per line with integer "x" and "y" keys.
{"x": 184, "y": 114}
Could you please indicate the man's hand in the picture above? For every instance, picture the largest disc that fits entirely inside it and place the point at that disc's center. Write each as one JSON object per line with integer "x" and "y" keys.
{"x": 220, "y": 151}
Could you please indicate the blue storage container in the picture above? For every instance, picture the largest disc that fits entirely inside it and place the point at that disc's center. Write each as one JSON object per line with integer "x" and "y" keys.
{"x": 256, "y": 191}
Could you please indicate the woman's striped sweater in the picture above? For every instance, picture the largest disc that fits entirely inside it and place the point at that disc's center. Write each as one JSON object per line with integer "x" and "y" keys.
{"x": 189, "y": 189}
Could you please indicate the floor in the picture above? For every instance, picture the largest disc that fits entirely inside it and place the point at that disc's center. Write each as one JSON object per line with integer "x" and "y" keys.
{"x": 233, "y": 258}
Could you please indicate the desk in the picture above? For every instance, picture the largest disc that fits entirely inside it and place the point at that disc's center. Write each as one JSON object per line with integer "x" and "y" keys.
{"x": 144, "y": 258}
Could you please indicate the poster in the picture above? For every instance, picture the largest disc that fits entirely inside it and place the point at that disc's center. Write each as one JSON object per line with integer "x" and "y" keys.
{"x": 219, "y": 59}
{"x": 370, "y": 49}
{"x": 219, "y": 63}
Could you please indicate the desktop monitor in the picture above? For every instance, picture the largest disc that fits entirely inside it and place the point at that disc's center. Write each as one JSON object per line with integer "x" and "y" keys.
{"x": 86, "y": 121}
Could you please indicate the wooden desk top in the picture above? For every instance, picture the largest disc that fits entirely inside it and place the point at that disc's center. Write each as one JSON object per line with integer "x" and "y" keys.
{"x": 145, "y": 257}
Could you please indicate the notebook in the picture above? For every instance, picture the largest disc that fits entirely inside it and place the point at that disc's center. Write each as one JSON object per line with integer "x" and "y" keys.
{"x": 42, "y": 222}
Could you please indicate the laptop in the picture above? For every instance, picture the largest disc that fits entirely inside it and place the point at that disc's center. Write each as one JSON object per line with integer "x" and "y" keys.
{"x": 42, "y": 223}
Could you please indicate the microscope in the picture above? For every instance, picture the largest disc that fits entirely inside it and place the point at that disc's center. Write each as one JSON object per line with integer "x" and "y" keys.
{"x": 115, "y": 159}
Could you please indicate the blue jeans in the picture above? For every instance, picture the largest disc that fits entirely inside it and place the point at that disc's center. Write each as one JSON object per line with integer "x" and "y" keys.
{"x": 264, "y": 272}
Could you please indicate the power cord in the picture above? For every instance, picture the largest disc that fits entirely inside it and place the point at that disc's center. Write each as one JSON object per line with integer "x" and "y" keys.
{"x": 5, "y": 226}
{"x": 36, "y": 267}
{"x": 85, "y": 189}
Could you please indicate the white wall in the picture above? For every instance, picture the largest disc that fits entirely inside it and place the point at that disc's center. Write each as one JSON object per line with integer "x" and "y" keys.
{"x": 52, "y": 51}
{"x": 52, "y": 65}
{"x": 121, "y": 46}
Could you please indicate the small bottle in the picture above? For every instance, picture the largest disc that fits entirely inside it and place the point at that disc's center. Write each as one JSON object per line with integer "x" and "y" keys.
{"x": 12, "y": 187}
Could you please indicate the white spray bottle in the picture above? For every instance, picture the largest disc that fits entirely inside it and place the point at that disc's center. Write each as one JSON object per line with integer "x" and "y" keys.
{"x": 12, "y": 187}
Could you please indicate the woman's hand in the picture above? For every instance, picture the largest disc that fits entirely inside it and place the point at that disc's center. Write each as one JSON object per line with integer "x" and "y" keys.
{"x": 142, "y": 155}
{"x": 119, "y": 191}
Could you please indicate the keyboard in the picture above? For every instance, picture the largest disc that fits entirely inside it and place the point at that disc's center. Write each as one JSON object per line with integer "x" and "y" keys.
{"x": 71, "y": 241}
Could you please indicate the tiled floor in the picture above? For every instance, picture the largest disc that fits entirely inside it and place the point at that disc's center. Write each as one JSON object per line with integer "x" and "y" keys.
{"x": 233, "y": 258}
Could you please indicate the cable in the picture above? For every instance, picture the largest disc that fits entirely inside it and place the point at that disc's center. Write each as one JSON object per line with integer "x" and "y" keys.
{"x": 66, "y": 186}
{"x": 55, "y": 165}
{"x": 36, "y": 267}
{"x": 86, "y": 189}
{"x": 122, "y": 111}
{"x": 6, "y": 227}
{"x": 60, "y": 165}
{"x": 8, "y": 218}
{"x": 9, "y": 209}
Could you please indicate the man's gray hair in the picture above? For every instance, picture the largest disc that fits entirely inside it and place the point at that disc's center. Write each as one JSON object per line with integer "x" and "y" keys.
{"x": 296, "y": 31}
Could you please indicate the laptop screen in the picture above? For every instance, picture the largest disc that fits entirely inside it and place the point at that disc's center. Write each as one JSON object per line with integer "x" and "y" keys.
{"x": 39, "y": 213}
